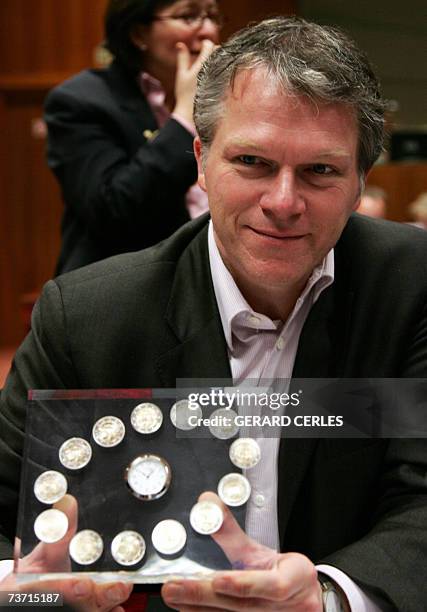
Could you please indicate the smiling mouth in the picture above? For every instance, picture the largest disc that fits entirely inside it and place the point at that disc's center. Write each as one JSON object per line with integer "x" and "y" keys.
{"x": 277, "y": 235}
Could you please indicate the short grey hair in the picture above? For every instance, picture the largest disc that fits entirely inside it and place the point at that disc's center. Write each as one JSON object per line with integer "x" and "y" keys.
{"x": 306, "y": 59}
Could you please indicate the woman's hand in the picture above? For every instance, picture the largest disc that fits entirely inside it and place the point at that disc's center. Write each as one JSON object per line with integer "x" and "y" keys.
{"x": 186, "y": 77}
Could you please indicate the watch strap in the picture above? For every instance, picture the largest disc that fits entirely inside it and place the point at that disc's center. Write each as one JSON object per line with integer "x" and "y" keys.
{"x": 331, "y": 591}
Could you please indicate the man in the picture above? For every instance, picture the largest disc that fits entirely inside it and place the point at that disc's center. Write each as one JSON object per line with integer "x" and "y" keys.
{"x": 284, "y": 281}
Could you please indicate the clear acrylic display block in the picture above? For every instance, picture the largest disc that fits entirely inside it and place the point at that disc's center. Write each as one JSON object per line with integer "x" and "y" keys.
{"x": 106, "y": 502}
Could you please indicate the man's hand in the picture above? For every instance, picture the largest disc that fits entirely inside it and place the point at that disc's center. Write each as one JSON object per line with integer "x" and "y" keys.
{"x": 263, "y": 579}
{"x": 81, "y": 592}
{"x": 187, "y": 70}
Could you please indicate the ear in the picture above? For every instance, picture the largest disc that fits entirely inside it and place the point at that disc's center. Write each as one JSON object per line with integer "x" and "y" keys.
{"x": 356, "y": 203}
{"x": 197, "y": 146}
{"x": 137, "y": 35}
{"x": 362, "y": 183}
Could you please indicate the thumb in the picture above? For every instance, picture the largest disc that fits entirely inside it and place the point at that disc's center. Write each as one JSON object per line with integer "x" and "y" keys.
{"x": 242, "y": 551}
{"x": 207, "y": 48}
{"x": 54, "y": 557}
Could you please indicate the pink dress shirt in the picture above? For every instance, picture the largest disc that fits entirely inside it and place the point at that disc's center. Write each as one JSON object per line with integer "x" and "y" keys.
{"x": 260, "y": 349}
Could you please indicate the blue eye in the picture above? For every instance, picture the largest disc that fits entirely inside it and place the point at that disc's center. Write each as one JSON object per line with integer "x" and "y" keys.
{"x": 249, "y": 160}
{"x": 322, "y": 169}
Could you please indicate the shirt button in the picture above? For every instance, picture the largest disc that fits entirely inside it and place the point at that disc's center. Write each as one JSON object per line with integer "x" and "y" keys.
{"x": 259, "y": 500}
{"x": 254, "y": 320}
{"x": 280, "y": 344}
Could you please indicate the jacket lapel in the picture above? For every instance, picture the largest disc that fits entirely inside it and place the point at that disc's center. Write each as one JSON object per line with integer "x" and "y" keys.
{"x": 321, "y": 354}
{"x": 128, "y": 95}
{"x": 192, "y": 315}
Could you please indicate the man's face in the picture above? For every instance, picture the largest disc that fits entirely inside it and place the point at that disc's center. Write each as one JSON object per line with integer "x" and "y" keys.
{"x": 282, "y": 180}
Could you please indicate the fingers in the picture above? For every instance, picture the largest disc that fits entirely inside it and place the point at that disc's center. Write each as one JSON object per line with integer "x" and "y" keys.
{"x": 88, "y": 595}
{"x": 198, "y": 595}
{"x": 112, "y": 595}
{"x": 294, "y": 580}
{"x": 239, "y": 548}
{"x": 207, "y": 47}
{"x": 82, "y": 592}
{"x": 183, "y": 58}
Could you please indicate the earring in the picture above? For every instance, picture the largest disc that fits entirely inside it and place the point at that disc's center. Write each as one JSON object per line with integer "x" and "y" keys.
{"x": 142, "y": 47}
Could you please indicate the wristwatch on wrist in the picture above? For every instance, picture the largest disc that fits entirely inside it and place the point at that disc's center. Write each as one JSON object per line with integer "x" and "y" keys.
{"x": 333, "y": 598}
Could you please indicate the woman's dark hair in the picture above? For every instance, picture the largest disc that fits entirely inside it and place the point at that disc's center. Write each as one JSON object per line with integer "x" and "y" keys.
{"x": 120, "y": 17}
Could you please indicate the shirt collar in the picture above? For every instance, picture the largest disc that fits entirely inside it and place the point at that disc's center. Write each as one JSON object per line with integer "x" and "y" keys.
{"x": 149, "y": 84}
{"x": 232, "y": 304}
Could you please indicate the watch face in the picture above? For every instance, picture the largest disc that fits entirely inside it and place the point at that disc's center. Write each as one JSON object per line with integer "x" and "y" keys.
{"x": 148, "y": 476}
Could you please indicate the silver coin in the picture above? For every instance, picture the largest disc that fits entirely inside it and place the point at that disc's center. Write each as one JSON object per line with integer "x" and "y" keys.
{"x": 206, "y": 517}
{"x": 50, "y": 487}
{"x": 222, "y": 423}
{"x": 169, "y": 537}
{"x": 51, "y": 526}
{"x": 75, "y": 453}
{"x": 245, "y": 453}
{"x": 146, "y": 418}
{"x": 184, "y": 415}
{"x": 234, "y": 489}
{"x": 108, "y": 431}
{"x": 86, "y": 547}
{"x": 128, "y": 548}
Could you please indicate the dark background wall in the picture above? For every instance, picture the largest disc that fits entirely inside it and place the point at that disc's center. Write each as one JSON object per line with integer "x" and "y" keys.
{"x": 394, "y": 34}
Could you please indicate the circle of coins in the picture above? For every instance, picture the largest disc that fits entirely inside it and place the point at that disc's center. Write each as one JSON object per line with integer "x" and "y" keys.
{"x": 181, "y": 412}
{"x": 128, "y": 548}
{"x": 146, "y": 418}
{"x": 51, "y": 526}
{"x": 245, "y": 453}
{"x": 206, "y": 517}
{"x": 234, "y": 489}
{"x": 108, "y": 431}
{"x": 75, "y": 453}
{"x": 169, "y": 537}
{"x": 86, "y": 547}
{"x": 50, "y": 487}
{"x": 222, "y": 423}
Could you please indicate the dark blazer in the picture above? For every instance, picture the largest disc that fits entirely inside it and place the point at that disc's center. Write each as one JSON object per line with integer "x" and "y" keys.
{"x": 123, "y": 190}
{"x": 148, "y": 318}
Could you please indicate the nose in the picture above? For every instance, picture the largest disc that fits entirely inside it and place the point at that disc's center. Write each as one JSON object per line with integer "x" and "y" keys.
{"x": 281, "y": 199}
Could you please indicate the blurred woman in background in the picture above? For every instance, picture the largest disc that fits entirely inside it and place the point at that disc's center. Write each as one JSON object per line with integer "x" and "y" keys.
{"x": 120, "y": 138}
{"x": 418, "y": 211}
